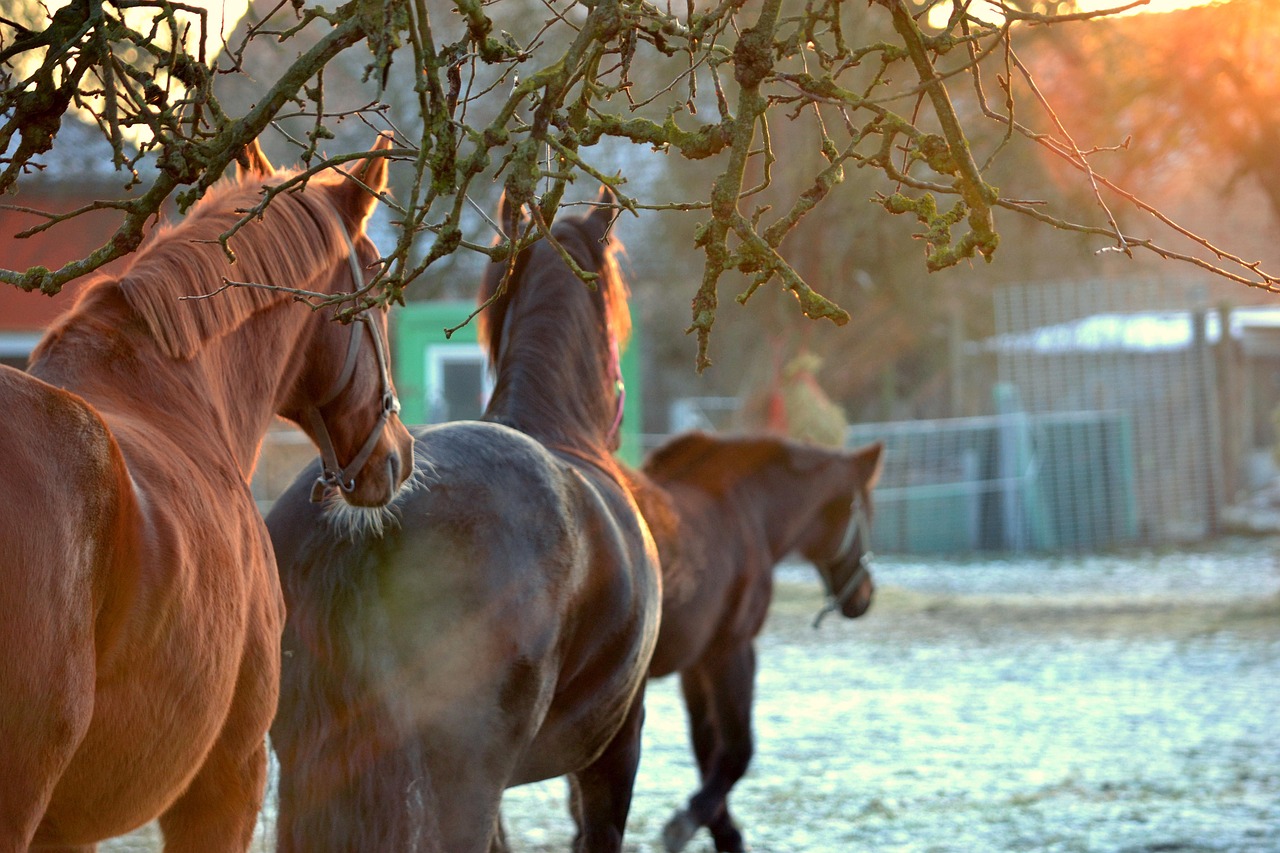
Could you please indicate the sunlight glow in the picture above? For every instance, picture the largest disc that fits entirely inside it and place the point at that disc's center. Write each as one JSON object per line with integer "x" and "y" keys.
{"x": 222, "y": 18}
{"x": 1155, "y": 6}
{"x": 224, "y": 15}
{"x": 938, "y": 14}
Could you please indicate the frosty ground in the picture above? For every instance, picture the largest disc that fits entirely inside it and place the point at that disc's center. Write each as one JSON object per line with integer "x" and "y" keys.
{"x": 1119, "y": 703}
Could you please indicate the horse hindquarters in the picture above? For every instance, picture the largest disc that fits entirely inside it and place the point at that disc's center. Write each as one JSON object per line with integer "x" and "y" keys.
{"x": 106, "y": 713}
{"x": 346, "y": 786}
{"x": 46, "y": 679}
{"x": 449, "y": 658}
{"x": 381, "y": 732}
{"x": 52, "y": 577}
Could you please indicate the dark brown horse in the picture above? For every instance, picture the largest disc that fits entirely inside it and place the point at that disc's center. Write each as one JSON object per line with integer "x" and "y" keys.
{"x": 500, "y": 632}
{"x": 140, "y": 612}
{"x": 724, "y": 511}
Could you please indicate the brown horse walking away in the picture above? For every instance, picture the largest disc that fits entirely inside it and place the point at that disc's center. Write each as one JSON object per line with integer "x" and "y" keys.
{"x": 140, "y": 612}
{"x": 724, "y": 512}
{"x": 501, "y": 632}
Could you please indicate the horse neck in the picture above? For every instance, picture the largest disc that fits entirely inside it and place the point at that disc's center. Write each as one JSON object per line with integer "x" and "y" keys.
{"x": 784, "y": 502}
{"x": 231, "y": 388}
{"x": 553, "y": 378}
{"x": 251, "y": 370}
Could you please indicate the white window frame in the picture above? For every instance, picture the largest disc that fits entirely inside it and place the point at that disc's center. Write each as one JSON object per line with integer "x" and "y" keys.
{"x": 438, "y": 355}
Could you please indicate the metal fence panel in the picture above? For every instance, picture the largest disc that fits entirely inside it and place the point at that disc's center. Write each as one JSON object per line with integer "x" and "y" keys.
{"x": 1012, "y": 482}
{"x": 1136, "y": 346}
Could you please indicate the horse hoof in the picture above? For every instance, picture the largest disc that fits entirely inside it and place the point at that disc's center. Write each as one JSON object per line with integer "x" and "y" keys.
{"x": 678, "y": 831}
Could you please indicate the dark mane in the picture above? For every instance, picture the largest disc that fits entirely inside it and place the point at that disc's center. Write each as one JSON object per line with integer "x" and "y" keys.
{"x": 679, "y": 454}
{"x": 712, "y": 464}
{"x": 185, "y": 259}
{"x": 599, "y": 256}
{"x": 553, "y": 375}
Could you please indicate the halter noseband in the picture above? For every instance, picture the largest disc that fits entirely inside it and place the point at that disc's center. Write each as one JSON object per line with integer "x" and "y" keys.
{"x": 858, "y": 528}
{"x": 333, "y": 473}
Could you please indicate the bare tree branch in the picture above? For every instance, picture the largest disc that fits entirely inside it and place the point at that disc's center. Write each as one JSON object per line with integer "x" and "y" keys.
{"x": 550, "y": 103}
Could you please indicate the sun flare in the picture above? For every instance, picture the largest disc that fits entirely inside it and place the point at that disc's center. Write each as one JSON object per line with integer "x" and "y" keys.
{"x": 1152, "y": 7}
{"x": 938, "y": 14}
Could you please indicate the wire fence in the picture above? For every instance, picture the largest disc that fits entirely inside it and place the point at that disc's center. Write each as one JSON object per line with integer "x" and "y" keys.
{"x": 1143, "y": 348}
{"x": 1012, "y": 482}
{"x": 1107, "y": 428}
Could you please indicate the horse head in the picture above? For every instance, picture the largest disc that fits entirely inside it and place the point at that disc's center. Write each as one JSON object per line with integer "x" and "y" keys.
{"x": 839, "y": 543}
{"x": 344, "y": 398}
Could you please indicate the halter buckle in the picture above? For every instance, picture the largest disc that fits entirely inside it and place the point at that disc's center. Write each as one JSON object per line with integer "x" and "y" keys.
{"x": 330, "y": 478}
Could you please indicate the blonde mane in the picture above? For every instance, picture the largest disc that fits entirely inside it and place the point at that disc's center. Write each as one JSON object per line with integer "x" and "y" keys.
{"x": 185, "y": 259}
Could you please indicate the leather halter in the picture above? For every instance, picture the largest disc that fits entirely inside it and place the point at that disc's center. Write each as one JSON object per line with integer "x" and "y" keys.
{"x": 333, "y": 473}
{"x": 857, "y": 529}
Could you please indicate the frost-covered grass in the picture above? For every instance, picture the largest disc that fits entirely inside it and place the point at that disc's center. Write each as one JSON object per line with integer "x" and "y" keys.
{"x": 1119, "y": 703}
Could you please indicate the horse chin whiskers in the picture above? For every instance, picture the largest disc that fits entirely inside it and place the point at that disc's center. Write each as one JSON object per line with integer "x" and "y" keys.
{"x": 356, "y": 522}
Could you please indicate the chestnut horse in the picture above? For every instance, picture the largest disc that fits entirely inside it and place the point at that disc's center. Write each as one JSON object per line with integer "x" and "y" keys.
{"x": 724, "y": 512}
{"x": 141, "y": 612}
{"x": 499, "y": 632}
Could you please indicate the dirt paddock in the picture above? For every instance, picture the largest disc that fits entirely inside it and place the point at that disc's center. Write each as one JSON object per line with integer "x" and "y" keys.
{"x": 1129, "y": 702}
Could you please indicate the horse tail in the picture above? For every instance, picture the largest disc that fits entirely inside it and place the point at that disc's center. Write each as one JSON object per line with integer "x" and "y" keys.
{"x": 352, "y": 775}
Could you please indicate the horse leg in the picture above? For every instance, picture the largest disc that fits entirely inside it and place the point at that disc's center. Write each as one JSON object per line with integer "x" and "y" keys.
{"x": 466, "y": 823}
{"x": 682, "y": 826}
{"x": 45, "y": 713}
{"x": 722, "y": 741}
{"x": 33, "y": 760}
{"x": 733, "y": 685}
{"x": 600, "y": 794}
{"x": 219, "y": 810}
{"x": 498, "y": 844}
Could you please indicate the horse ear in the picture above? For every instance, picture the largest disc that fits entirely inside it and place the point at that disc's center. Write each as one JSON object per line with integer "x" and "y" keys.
{"x": 511, "y": 218}
{"x": 867, "y": 462}
{"x": 356, "y": 202}
{"x": 606, "y": 210}
{"x": 251, "y": 162}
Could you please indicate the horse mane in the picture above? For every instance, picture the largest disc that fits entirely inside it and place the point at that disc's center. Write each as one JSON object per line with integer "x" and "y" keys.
{"x": 591, "y": 253}
{"x": 679, "y": 454}
{"x": 281, "y": 248}
{"x": 712, "y": 463}
{"x": 554, "y": 377}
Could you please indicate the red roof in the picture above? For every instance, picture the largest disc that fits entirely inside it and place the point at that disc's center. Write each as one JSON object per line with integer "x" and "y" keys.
{"x": 68, "y": 241}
